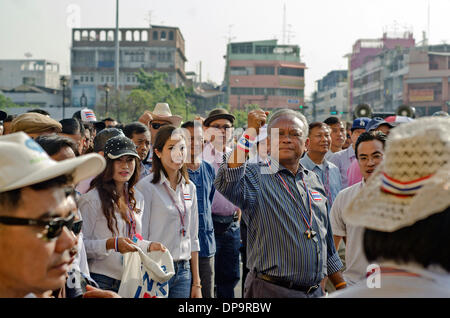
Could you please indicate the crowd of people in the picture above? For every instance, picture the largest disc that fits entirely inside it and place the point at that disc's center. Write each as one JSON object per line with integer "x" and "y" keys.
{"x": 311, "y": 210}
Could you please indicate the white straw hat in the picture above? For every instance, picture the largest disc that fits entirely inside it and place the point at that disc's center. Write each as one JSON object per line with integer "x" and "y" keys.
{"x": 413, "y": 181}
{"x": 162, "y": 112}
{"x": 23, "y": 162}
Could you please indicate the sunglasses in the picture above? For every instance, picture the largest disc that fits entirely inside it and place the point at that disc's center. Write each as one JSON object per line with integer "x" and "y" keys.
{"x": 158, "y": 125}
{"x": 53, "y": 227}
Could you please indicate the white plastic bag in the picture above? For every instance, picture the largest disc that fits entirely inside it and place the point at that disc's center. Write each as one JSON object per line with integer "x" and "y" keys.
{"x": 146, "y": 275}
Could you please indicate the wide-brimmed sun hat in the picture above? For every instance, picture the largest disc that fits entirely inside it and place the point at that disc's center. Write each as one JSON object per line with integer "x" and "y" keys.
{"x": 162, "y": 112}
{"x": 413, "y": 181}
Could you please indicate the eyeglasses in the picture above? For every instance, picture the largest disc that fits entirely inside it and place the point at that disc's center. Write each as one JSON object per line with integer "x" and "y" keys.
{"x": 53, "y": 228}
{"x": 157, "y": 125}
{"x": 221, "y": 127}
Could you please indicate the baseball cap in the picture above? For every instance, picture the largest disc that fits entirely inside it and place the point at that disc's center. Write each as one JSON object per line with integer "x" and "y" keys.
{"x": 377, "y": 122}
{"x": 23, "y": 162}
{"x": 120, "y": 146}
{"x": 360, "y": 123}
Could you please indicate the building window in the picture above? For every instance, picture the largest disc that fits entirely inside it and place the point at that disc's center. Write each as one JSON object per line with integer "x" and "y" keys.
{"x": 291, "y": 71}
{"x": 238, "y": 70}
{"x": 288, "y": 92}
{"x": 103, "y": 35}
{"x": 144, "y": 36}
{"x": 242, "y": 91}
{"x": 242, "y": 48}
{"x": 128, "y": 36}
{"x": 77, "y": 36}
{"x": 163, "y": 36}
{"x": 171, "y": 36}
{"x": 155, "y": 35}
{"x": 136, "y": 36}
{"x": 264, "y": 49}
{"x": 110, "y": 36}
{"x": 265, "y": 70}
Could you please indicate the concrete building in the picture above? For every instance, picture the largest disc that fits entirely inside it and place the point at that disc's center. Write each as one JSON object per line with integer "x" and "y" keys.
{"x": 264, "y": 73}
{"x": 158, "y": 48}
{"x": 369, "y": 67}
{"x": 427, "y": 84}
{"x": 33, "y": 72}
{"x": 331, "y": 98}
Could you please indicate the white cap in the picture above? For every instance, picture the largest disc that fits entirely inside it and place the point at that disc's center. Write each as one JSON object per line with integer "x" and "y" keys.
{"x": 23, "y": 162}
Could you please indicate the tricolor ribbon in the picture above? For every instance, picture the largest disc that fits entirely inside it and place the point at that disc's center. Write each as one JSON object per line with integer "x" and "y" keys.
{"x": 399, "y": 188}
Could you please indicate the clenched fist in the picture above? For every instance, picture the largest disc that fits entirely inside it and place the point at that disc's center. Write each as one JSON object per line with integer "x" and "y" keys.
{"x": 256, "y": 119}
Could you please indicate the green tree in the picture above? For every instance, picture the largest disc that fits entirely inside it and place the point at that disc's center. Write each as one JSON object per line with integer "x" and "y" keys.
{"x": 157, "y": 90}
{"x": 6, "y": 102}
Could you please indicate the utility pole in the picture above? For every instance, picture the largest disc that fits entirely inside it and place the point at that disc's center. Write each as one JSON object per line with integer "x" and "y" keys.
{"x": 116, "y": 62}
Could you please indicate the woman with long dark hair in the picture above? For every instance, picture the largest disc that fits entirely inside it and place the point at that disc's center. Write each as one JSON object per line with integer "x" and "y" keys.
{"x": 112, "y": 212}
{"x": 170, "y": 213}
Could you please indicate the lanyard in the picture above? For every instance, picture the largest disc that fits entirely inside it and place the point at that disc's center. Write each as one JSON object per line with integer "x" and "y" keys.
{"x": 181, "y": 215}
{"x": 130, "y": 216}
{"x": 309, "y": 232}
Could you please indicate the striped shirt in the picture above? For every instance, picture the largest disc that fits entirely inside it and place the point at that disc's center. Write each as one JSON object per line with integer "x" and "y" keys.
{"x": 328, "y": 174}
{"x": 277, "y": 245}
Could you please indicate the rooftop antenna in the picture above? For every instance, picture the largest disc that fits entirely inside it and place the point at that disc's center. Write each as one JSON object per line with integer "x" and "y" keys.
{"x": 428, "y": 21}
{"x": 148, "y": 18}
{"x": 230, "y": 38}
{"x": 284, "y": 23}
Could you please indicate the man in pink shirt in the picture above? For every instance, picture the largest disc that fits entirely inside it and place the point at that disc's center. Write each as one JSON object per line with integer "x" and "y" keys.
{"x": 376, "y": 124}
{"x": 225, "y": 215}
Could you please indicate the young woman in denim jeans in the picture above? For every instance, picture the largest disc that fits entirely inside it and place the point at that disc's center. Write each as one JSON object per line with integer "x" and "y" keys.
{"x": 170, "y": 212}
{"x": 112, "y": 212}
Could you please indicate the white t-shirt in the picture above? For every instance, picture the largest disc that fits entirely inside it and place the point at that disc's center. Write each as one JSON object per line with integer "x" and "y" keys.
{"x": 428, "y": 284}
{"x": 355, "y": 260}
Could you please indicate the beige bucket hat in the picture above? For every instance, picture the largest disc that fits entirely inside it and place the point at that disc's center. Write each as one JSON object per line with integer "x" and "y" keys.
{"x": 162, "y": 112}
{"x": 23, "y": 162}
{"x": 413, "y": 181}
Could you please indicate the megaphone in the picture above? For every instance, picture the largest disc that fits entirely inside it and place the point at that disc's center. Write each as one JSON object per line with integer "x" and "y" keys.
{"x": 363, "y": 110}
{"x": 407, "y": 111}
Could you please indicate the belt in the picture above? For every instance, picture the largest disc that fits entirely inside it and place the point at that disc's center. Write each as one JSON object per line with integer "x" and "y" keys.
{"x": 287, "y": 284}
{"x": 225, "y": 219}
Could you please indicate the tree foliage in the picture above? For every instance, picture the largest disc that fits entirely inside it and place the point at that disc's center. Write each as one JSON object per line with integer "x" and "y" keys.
{"x": 6, "y": 102}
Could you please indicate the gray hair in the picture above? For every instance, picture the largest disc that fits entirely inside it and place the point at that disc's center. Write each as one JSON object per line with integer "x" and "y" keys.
{"x": 290, "y": 114}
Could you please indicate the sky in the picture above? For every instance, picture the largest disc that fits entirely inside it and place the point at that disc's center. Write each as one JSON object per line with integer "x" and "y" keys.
{"x": 325, "y": 30}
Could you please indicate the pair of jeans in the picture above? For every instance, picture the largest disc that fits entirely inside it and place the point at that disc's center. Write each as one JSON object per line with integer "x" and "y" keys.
{"x": 106, "y": 282}
{"x": 206, "y": 272}
{"x": 227, "y": 262}
{"x": 180, "y": 283}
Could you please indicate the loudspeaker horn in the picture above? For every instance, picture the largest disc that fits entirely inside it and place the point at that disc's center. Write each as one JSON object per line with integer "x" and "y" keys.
{"x": 363, "y": 110}
{"x": 405, "y": 110}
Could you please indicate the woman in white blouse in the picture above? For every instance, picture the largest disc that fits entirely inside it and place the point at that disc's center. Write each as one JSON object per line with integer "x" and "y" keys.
{"x": 112, "y": 212}
{"x": 170, "y": 212}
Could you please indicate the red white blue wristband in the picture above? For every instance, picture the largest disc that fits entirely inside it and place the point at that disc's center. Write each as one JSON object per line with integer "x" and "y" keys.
{"x": 116, "y": 244}
{"x": 245, "y": 143}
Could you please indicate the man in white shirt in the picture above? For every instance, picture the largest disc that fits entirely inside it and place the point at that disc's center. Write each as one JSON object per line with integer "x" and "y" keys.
{"x": 369, "y": 152}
